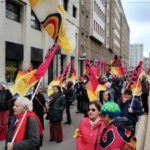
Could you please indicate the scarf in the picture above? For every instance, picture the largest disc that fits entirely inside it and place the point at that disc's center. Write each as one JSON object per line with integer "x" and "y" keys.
{"x": 21, "y": 133}
{"x": 94, "y": 123}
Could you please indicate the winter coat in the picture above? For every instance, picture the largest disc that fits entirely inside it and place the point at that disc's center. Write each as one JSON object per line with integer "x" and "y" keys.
{"x": 136, "y": 106}
{"x": 118, "y": 135}
{"x": 87, "y": 138}
{"x": 145, "y": 87}
{"x": 56, "y": 107}
{"x": 38, "y": 106}
{"x": 5, "y": 100}
{"x": 69, "y": 96}
{"x": 31, "y": 137}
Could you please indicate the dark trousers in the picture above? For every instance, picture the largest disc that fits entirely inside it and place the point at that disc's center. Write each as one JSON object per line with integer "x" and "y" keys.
{"x": 68, "y": 112}
{"x": 145, "y": 102}
{"x": 79, "y": 99}
{"x": 56, "y": 131}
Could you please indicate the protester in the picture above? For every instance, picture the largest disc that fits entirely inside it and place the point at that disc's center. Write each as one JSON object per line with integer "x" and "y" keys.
{"x": 39, "y": 105}
{"x": 5, "y": 102}
{"x": 55, "y": 114}
{"x": 145, "y": 93}
{"x": 104, "y": 97}
{"x": 118, "y": 134}
{"x": 130, "y": 111}
{"x": 28, "y": 137}
{"x": 78, "y": 91}
{"x": 69, "y": 97}
{"x": 39, "y": 108}
{"x": 90, "y": 128}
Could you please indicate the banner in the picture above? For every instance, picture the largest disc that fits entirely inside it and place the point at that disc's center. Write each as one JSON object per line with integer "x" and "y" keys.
{"x": 52, "y": 17}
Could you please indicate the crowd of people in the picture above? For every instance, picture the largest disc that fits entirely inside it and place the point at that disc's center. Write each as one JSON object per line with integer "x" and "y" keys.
{"x": 109, "y": 121}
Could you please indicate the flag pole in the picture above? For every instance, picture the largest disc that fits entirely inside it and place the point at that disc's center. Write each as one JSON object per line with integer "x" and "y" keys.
{"x": 36, "y": 89}
{"x": 24, "y": 115}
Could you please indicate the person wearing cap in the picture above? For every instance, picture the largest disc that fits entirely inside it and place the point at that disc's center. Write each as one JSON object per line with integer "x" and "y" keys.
{"x": 5, "y": 101}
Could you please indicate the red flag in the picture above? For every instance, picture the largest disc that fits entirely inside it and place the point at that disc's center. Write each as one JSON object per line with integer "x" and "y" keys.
{"x": 92, "y": 81}
{"x": 64, "y": 74}
{"x": 95, "y": 66}
{"x": 72, "y": 74}
{"x": 43, "y": 67}
{"x": 116, "y": 67}
{"x": 106, "y": 68}
{"x": 135, "y": 75}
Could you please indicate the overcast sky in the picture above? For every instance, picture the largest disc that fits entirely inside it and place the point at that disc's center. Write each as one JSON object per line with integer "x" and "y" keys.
{"x": 138, "y": 16}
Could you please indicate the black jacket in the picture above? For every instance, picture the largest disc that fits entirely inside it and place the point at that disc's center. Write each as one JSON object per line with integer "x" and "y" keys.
{"x": 5, "y": 100}
{"x": 136, "y": 106}
{"x": 56, "y": 107}
{"x": 31, "y": 137}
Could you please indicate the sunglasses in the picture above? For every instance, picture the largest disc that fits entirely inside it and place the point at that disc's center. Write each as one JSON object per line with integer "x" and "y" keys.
{"x": 93, "y": 110}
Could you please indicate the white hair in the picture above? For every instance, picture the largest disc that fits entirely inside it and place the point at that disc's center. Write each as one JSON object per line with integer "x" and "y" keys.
{"x": 25, "y": 102}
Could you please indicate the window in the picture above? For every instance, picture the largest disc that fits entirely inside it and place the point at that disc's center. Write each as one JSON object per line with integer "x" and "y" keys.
{"x": 66, "y": 5}
{"x": 12, "y": 11}
{"x": 74, "y": 12}
{"x": 34, "y": 22}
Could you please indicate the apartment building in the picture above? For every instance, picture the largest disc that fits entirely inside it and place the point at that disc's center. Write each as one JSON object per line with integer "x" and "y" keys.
{"x": 135, "y": 54}
{"x": 106, "y": 33}
{"x": 24, "y": 43}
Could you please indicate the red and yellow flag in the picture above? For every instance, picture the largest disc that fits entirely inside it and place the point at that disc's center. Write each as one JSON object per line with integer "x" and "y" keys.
{"x": 72, "y": 74}
{"x": 51, "y": 14}
{"x": 92, "y": 83}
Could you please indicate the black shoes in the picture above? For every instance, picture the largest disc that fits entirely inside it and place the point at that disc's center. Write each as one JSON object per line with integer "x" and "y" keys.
{"x": 51, "y": 140}
{"x": 67, "y": 122}
{"x": 59, "y": 141}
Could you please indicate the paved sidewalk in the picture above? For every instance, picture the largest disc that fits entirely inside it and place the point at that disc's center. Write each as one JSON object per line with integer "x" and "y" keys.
{"x": 69, "y": 143}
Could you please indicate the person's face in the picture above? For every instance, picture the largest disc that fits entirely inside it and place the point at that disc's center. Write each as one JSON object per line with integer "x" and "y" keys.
{"x": 93, "y": 112}
{"x": 105, "y": 119}
{"x": 127, "y": 96}
{"x": 39, "y": 89}
{"x": 55, "y": 89}
{"x": 105, "y": 96}
{"x": 1, "y": 87}
{"x": 18, "y": 108}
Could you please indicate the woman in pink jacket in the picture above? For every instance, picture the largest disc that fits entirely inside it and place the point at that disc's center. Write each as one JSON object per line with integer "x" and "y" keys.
{"x": 90, "y": 129}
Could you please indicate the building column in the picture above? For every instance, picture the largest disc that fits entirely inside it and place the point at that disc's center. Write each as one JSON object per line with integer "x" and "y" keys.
{"x": 46, "y": 45}
{"x": 26, "y": 36}
{"x": 2, "y": 41}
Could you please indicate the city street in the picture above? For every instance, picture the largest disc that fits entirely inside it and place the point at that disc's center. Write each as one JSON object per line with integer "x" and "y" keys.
{"x": 69, "y": 142}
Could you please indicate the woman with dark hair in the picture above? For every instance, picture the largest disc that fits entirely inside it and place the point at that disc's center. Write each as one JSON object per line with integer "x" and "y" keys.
{"x": 69, "y": 97}
{"x": 104, "y": 97}
{"x": 90, "y": 129}
{"x": 55, "y": 114}
{"x": 39, "y": 108}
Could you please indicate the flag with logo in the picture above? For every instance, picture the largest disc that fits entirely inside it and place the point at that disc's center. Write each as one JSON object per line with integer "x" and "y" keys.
{"x": 92, "y": 82}
{"x": 51, "y": 15}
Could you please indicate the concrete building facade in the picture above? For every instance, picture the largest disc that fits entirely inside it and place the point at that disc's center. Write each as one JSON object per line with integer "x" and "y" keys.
{"x": 108, "y": 30}
{"x": 147, "y": 62}
{"x": 24, "y": 43}
{"x": 135, "y": 54}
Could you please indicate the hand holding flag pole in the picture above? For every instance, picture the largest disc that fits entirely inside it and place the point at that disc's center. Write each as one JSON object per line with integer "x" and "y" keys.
{"x": 14, "y": 137}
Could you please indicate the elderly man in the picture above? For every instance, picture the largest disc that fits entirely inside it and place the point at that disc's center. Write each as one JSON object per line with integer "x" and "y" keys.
{"x": 28, "y": 136}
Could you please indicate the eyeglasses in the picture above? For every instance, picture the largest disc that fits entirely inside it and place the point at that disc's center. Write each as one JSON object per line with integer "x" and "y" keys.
{"x": 93, "y": 110}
